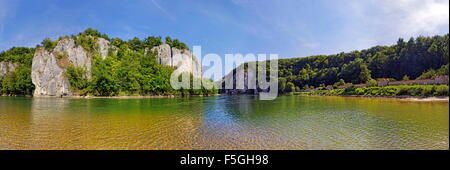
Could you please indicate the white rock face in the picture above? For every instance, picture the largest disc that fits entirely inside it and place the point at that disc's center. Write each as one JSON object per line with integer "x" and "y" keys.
{"x": 49, "y": 77}
{"x": 76, "y": 54}
{"x": 196, "y": 67}
{"x": 184, "y": 61}
{"x": 240, "y": 85}
{"x": 104, "y": 47}
{"x": 164, "y": 54}
{"x": 177, "y": 58}
{"x": 6, "y": 68}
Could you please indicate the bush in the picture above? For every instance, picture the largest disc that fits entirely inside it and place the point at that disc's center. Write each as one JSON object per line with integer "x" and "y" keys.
{"x": 441, "y": 90}
{"x": 372, "y": 83}
{"x": 48, "y": 44}
{"x": 77, "y": 78}
{"x": 290, "y": 87}
{"x": 18, "y": 82}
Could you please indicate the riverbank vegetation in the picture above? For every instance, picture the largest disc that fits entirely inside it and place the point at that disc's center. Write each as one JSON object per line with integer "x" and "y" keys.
{"x": 401, "y": 90}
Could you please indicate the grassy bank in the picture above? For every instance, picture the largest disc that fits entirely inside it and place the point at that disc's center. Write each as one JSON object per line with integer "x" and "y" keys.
{"x": 402, "y": 90}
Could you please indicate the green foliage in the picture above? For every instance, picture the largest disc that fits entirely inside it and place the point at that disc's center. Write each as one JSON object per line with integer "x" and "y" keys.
{"x": 281, "y": 85}
{"x": 48, "y": 44}
{"x": 93, "y": 33}
{"x": 20, "y": 55}
{"x": 402, "y": 90}
{"x": 104, "y": 82}
{"x": 371, "y": 83}
{"x": 153, "y": 41}
{"x": 431, "y": 73}
{"x": 17, "y": 82}
{"x": 89, "y": 43}
{"x": 77, "y": 78}
{"x": 290, "y": 87}
{"x": 406, "y": 77}
{"x": 176, "y": 43}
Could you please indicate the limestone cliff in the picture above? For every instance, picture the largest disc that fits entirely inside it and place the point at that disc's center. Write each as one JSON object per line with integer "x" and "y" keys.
{"x": 6, "y": 68}
{"x": 49, "y": 66}
{"x": 240, "y": 85}
{"x": 179, "y": 59}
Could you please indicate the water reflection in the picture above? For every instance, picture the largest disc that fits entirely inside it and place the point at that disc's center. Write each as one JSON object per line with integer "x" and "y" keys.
{"x": 226, "y": 122}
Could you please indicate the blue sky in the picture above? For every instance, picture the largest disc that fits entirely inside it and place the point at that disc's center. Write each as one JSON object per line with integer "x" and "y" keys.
{"x": 291, "y": 28}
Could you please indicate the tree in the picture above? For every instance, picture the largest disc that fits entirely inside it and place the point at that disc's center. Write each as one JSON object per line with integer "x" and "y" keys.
{"x": 405, "y": 77}
{"x": 290, "y": 87}
{"x": 18, "y": 82}
{"x": 281, "y": 85}
{"x": 372, "y": 83}
{"x": 48, "y": 44}
{"x": 169, "y": 41}
{"x": 136, "y": 44}
{"x": 153, "y": 41}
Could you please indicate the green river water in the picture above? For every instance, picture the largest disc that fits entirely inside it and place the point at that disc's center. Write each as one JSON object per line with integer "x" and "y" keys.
{"x": 223, "y": 122}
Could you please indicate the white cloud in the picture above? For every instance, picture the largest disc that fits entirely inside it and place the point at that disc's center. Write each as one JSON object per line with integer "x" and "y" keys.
{"x": 400, "y": 17}
{"x": 414, "y": 17}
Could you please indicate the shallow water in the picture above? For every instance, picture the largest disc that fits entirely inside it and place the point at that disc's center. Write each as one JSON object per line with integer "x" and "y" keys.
{"x": 225, "y": 122}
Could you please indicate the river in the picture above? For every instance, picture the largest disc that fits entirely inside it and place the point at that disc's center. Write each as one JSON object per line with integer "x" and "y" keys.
{"x": 223, "y": 122}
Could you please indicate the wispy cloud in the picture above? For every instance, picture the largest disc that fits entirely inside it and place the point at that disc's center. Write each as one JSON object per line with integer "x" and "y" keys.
{"x": 31, "y": 36}
{"x": 163, "y": 10}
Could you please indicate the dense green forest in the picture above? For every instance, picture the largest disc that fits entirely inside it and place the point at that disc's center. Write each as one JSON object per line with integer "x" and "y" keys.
{"x": 127, "y": 71}
{"x": 19, "y": 81}
{"x": 418, "y": 58}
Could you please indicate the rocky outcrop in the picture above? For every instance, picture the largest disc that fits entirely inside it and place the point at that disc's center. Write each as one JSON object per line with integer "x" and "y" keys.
{"x": 47, "y": 77}
{"x": 241, "y": 85}
{"x": 6, "y": 68}
{"x": 49, "y": 67}
{"x": 179, "y": 59}
{"x": 104, "y": 47}
{"x": 164, "y": 55}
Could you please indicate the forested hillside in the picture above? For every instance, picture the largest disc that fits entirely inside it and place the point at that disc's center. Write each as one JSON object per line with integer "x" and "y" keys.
{"x": 417, "y": 58}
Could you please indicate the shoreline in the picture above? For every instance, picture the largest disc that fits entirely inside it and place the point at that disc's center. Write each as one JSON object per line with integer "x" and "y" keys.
{"x": 404, "y": 98}
{"x": 110, "y": 97}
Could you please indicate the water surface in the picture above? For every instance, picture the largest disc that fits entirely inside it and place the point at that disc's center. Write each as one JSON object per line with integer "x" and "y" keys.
{"x": 225, "y": 122}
